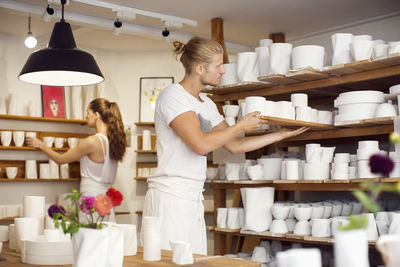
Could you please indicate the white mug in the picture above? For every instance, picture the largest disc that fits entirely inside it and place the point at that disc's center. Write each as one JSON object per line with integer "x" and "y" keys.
{"x": 6, "y": 138}
{"x": 18, "y": 138}
{"x": 59, "y": 142}
{"x": 72, "y": 142}
{"x": 11, "y": 172}
{"x": 321, "y": 227}
{"x": 48, "y": 140}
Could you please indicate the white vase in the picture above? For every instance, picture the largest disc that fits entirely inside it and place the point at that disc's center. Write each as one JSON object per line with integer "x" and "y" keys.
{"x": 351, "y": 248}
{"x": 98, "y": 247}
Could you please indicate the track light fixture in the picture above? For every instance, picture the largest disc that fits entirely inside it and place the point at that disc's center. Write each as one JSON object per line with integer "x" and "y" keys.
{"x": 61, "y": 63}
{"x": 48, "y": 13}
{"x": 165, "y": 32}
{"x": 117, "y": 27}
{"x": 30, "y": 40}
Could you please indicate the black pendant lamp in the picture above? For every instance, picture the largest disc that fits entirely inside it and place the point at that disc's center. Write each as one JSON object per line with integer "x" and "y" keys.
{"x": 61, "y": 63}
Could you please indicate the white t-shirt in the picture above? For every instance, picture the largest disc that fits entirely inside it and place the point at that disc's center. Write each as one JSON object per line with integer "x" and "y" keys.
{"x": 176, "y": 161}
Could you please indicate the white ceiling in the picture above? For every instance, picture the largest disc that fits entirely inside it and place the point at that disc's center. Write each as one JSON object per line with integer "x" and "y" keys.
{"x": 245, "y": 22}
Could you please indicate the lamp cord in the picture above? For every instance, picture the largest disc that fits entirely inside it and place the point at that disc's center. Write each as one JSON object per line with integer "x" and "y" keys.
{"x": 63, "y": 2}
{"x": 29, "y": 25}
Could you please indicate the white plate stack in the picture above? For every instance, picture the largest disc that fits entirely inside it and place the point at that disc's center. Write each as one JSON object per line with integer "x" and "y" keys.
{"x": 357, "y": 105}
{"x": 365, "y": 150}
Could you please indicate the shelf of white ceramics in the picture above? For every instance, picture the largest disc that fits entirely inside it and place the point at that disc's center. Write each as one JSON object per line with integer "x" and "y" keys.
{"x": 40, "y": 180}
{"x": 296, "y": 123}
{"x": 137, "y": 178}
{"x": 28, "y": 118}
{"x": 301, "y": 185}
{"x": 347, "y": 76}
{"x": 29, "y": 148}
{"x": 281, "y": 237}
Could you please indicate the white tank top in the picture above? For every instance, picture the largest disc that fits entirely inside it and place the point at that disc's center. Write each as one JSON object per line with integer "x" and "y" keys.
{"x": 97, "y": 178}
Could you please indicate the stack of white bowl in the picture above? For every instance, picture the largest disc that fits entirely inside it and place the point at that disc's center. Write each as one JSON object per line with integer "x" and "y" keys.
{"x": 353, "y": 172}
{"x": 340, "y": 166}
{"x": 280, "y": 109}
{"x": 357, "y": 105}
{"x": 263, "y": 57}
{"x": 365, "y": 150}
{"x": 306, "y": 113}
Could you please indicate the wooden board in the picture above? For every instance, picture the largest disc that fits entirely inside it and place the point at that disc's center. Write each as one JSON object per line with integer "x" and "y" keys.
{"x": 338, "y": 70}
{"x": 237, "y": 87}
{"x": 144, "y": 124}
{"x": 391, "y": 60}
{"x": 368, "y": 122}
{"x": 277, "y": 79}
{"x": 307, "y": 75}
{"x": 364, "y": 65}
{"x": 296, "y": 123}
{"x": 28, "y": 118}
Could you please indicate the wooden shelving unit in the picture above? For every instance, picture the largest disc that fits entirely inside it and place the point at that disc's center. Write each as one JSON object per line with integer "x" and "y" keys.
{"x": 322, "y": 87}
{"x": 28, "y": 118}
{"x": 39, "y": 180}
{"x": 145, "y": 124}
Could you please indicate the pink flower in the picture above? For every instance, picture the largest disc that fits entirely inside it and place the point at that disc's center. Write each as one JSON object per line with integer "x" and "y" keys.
{"x": 103, "y": 204}
{"x": 86, "y": 204}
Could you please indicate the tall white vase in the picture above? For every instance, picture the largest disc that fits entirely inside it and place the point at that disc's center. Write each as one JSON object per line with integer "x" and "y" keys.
{"x": 351, "y": 248}
{"x": 257, "y": 204}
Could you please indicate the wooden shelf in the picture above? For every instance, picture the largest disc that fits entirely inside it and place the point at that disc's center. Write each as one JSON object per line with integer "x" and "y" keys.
{"x": 242, "y": 86}
{"x": 150, "y": 124}
{"x": 122, "y": 213}
{"x": 28, "y": 118}
{"x": 369, "y": 122}
{"x": 141, "y": 178}
{"x": 40, "y": 180}
{"x": 29, "y": 148}
{"x": 341, "y": 78}
{"x": 295, "y": 123}
{"x": 282, "y": 237}
{"x": 145, "y": 151}
{"x": 7, "y": 220}
{"x": 301, "y": 185}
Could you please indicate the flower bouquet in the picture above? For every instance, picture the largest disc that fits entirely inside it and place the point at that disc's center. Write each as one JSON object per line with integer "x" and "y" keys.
{"x": 85, "y": 211}
{"x": 93, "y": 244}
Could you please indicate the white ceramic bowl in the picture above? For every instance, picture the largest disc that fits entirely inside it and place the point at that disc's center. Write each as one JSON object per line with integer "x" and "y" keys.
{"x": 304, "y": 56}
{"x": 367, "y": 96}
{"x": 280, "y": 212}
{"x": 385, "y": 110}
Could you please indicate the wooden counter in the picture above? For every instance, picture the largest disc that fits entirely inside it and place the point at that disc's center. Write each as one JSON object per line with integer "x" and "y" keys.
{"x": 13, "y": 259}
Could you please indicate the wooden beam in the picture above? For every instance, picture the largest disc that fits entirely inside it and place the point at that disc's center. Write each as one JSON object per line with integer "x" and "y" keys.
{"x": 217, "y": 33}
{"x": 277, "y": 37}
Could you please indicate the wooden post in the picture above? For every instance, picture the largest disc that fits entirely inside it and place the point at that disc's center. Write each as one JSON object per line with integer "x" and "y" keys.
{"x": 277, "y": 37}
{"x": 217, "y": 33}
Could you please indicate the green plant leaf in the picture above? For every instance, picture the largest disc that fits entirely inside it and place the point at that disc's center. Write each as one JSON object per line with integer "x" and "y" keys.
{"x": 355, "y": 222}
{"x": 368, "y": 203}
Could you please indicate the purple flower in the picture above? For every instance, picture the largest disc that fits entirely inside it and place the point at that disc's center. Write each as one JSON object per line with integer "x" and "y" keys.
{"x": 86, "y": 203}
{"x": 55, "y": 209}
{"x": 380, "y": 164}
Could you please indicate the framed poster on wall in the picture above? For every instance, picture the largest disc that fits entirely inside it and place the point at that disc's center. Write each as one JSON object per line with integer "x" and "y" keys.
{"x": 150, "y": 88}
{"x": 53, "y": 101}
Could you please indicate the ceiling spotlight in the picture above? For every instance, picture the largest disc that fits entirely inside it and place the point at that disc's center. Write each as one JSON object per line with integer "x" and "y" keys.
{"x": 117, "y": 27}
{"x": 47, "y": 13}
{"x": 61, "y": 63}
{"x": 30, "y": 40}
{"x": 165, "y": 32}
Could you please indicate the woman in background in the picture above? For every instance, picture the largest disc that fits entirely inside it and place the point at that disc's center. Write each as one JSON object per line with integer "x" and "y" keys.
{"x": 99, "y": 153}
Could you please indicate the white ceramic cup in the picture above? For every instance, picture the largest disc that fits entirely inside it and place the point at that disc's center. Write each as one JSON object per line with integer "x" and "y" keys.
{"x": 11, "y": 172}
{"x": 6, "y": 137}
{"x": 72, "y": 142}
{"x": 18, "y": 138}
{"x": 59, "y": 142}
{"x": 52, "y": 235}
{"x": 30, "y": 134}
{"x": 321, "y": 227}
{"x": 278, "y": 227}
{"x": 48, "y": 140}
{"x": 45, "y": 171}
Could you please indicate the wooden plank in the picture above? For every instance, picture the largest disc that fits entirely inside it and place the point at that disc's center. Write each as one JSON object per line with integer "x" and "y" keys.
{"x": 338, "y": 70}
{"x": 343, "y": 132}
{"x": 277, "y": 79}
{"x": 296, "y": 123}
{"x": 29, "y": 148}
{"x": 237, "y": 87}
{"x": 28, "y": 118}
{"x": 391, "y": 60}
{"x": 389, "y": 180}
{"x": 40, "y": 180}
{"x": 307, "y": 75}
{"x": 145, "y": 151}
{"x": 362, "y": 180}
{"x": 364, "y": 65}
{"x": 336, "y": 181}
{"x": 150, "y": 124}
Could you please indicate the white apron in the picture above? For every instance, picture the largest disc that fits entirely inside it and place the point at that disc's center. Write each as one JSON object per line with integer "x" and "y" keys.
{"x": 182, "y": 219}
